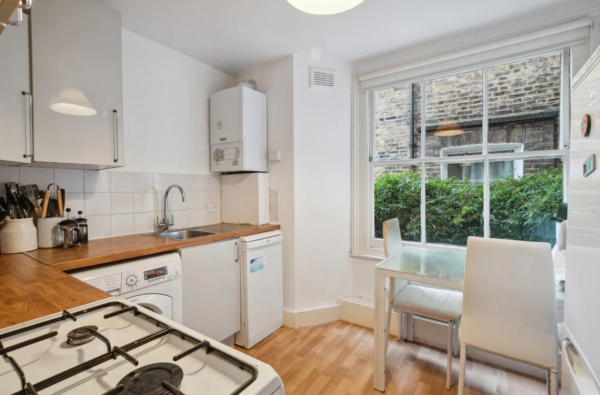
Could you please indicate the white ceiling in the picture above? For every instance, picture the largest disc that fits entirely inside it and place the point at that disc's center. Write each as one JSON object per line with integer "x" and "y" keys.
{"x": 234, "y": 35}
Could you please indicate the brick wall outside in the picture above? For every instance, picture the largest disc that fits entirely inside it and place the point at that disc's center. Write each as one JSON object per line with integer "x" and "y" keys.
{"x": 524, "y": 100}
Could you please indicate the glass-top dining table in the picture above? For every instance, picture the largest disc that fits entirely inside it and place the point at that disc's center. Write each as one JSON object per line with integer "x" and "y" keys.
{"x": 441, "y": 268}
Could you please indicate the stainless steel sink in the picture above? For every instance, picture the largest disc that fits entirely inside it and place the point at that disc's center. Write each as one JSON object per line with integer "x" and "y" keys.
{"x": 182, "y": 234}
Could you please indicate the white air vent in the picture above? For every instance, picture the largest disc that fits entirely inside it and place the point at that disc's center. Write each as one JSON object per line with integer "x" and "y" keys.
{"x": 322, "y": 77}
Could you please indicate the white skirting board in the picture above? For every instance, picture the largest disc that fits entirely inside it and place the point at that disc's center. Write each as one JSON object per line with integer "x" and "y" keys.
{"x": 317, "y": 316}
{"x": 361, "y": 311}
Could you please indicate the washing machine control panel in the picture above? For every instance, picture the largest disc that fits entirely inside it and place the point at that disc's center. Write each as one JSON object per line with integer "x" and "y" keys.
{"x": 148, "y": 276}
{"x": 126, "y": 277}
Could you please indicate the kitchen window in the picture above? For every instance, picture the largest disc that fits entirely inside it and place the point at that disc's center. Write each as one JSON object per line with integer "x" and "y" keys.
{"x": 488, "y": 158}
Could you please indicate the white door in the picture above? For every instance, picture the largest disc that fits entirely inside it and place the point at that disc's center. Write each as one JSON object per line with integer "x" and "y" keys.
{"x": 15, "y": 136}
{"x": 211, "y": 289}
{"x": 159, "y": 304}
{"x": 77, "y": 82}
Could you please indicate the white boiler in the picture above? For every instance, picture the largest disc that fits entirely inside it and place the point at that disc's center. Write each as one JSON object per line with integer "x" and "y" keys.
{"x": 238, "y": 130}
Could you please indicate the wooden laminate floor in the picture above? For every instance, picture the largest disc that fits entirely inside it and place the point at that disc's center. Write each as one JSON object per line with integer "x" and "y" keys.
{"x": 337, "y": 358}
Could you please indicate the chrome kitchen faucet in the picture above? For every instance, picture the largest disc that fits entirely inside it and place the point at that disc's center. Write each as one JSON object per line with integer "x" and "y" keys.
{"x": 165, "y": 222}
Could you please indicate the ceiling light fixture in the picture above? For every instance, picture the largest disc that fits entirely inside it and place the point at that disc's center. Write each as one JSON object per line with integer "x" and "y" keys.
{"x": 449, "y": 130}
{"x": 73, "y": 102}
{"x": 324, "y": 7}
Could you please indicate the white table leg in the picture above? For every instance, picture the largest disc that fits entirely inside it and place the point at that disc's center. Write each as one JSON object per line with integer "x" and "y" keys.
{"x": 388, "y": 321}
{"x": 456, "y": 341}
{"x": 449, "y": 354}
{"x": 380, "y": 331}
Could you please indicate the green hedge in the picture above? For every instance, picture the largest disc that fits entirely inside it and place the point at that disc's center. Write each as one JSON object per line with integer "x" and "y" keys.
{"x": 520, "y": 209}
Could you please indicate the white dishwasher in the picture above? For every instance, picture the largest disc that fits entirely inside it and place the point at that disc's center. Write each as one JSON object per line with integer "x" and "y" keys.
{"x": 262, "y": 287}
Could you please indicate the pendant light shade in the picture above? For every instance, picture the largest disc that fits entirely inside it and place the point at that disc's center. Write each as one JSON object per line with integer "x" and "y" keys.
{"x": 449, "y": 130}
{"x": 324, "y": 7}
{"x": 73, "y": 102}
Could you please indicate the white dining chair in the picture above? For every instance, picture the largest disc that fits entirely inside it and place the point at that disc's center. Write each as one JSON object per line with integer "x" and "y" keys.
{"x": 392, "y": 243}
{"x": 392, "y": 237}
{"x": 409, "y": 299}
{"x": 509, "y": 305}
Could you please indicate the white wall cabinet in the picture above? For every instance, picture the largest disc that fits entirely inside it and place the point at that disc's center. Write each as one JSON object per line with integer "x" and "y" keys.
{"x": 211, "y": 289}
{"x": 76, "y": 69}
{"x": 15, "y": 109}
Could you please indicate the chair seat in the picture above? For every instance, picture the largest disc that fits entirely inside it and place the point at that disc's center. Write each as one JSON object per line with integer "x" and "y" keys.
{"x": 434, "y": 303}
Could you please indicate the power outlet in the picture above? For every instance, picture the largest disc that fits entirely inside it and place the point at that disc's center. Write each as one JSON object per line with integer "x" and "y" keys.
{"x": 275, "y": 156}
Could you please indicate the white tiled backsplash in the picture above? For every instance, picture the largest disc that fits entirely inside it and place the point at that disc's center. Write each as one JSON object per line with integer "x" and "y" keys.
{"x": 119, "y": 203}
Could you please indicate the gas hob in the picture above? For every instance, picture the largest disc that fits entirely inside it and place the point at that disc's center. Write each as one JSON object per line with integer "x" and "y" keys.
{"x": 115, "y": 347}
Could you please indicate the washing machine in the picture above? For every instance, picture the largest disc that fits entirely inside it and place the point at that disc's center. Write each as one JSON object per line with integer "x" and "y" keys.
{"x": 153, "y": 282}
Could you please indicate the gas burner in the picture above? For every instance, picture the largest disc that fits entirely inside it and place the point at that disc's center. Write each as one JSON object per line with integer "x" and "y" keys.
{"x": 81, "y": 335}
{"x": 148, "y": 379}
{"x": 153, "y": 379}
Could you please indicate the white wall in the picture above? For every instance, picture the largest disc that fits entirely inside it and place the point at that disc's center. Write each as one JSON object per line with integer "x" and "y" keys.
{"x": 166, "y": 113}
{"x": 311, "y": 127}
{"x": 363, "y": 278}
{"x": 322, "y": 175}
{"x": 276, "y": 81}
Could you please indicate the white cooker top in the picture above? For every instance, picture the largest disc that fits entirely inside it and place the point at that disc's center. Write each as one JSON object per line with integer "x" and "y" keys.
{"x": 204, "y": 373}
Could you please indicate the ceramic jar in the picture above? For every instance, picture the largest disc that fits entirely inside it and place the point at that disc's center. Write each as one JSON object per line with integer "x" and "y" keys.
{"x": 18, "y": 235}
{"x": 49, "y": 235}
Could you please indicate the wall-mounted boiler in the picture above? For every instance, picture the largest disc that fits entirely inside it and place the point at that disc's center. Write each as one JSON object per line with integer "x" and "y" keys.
{"x": 238, "y": 130}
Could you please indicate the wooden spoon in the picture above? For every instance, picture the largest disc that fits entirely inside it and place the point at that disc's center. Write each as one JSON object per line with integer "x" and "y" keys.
{"x": 45, "y": 203}
{"x": 60, "y": 203}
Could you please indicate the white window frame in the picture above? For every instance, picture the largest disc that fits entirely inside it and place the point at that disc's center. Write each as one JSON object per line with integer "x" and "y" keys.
{"x": 363, "y": 241}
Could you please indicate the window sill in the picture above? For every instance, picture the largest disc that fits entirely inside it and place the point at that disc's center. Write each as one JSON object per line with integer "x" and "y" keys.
{"x": 367, "y": 257}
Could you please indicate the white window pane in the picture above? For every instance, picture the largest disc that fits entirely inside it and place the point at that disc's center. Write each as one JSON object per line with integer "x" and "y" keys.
{"x": 397, "y": 191}
{"x": 392, "y": 135}
{"x": 454, "y": 112}
{"x": 524, "y": 103}
{"x": 454, "y": 207}
{"x": 522, "y": 204}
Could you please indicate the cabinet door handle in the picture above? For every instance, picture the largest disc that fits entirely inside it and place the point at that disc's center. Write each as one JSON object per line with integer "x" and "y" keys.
{"x": 116, "y": 117}
{"x": 19, "y": 18}
{"x": 23, "y": 5}
{"x": 29, "y": 102}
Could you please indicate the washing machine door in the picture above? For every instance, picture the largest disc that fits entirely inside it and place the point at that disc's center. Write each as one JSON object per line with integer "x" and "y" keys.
{"x": 159, "y": 304}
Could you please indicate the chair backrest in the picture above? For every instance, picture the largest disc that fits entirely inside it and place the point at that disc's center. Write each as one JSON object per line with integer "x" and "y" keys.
{"x": 509, "y": 302}
{"x": 392, "y": 239}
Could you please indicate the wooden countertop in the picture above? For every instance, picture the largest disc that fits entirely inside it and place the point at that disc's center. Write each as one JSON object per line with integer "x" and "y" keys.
{"x": 113, "y": 249}
{"x": 30, "y": 290}
{"x": 33, "y": 285}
